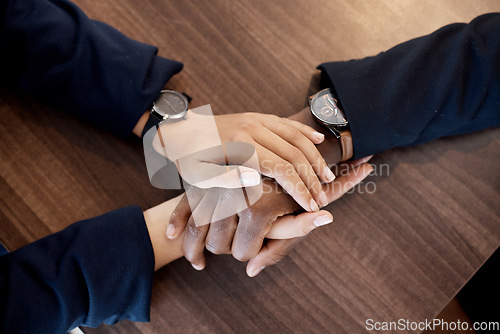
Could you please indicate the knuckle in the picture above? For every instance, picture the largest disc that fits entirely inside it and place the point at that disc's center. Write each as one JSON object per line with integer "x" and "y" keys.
{"x": 216, "y": 248}
{"x": 258, "y": 218}
{"x": 194, "y": 231}
{"x": 246, "y": 125}
{"x": 252, "y": 117}
{"x": 277, "y": 258}
{"x": 304, "y": 230}
{"x": 279, "y": 169}
{"x": 176, "y": 219}
{"x": 247, "y": 214}
{"x": 180, "y": 216}
{"x": 296, "y": 154}
{"x": 284, "y": 168}
{"x": 239, "y": 137}
{"x": 294, "y": 133}
{"x": 318, "y": 158}
{"x": 272, "y": 117}
{"x": 290, "y": 169}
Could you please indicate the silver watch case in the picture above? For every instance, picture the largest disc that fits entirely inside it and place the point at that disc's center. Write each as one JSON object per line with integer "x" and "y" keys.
{"x": 170, "y": 114}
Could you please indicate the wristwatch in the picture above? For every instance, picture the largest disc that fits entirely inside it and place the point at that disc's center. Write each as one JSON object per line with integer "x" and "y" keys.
{"x": 326, "y": 111}
{"x": 169, "y": 106}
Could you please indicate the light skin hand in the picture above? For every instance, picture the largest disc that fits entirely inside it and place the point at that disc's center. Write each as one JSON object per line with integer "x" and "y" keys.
{"x": 285, "y": 149}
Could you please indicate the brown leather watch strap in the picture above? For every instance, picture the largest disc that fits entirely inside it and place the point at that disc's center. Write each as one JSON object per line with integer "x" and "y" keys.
{"x": 346, "y": 144}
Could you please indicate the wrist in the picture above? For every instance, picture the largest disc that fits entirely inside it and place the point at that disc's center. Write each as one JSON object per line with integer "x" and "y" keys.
{"x": 330, "y": 148}
{"x": 157, "y": 220}
{"x": 140, "y": 124}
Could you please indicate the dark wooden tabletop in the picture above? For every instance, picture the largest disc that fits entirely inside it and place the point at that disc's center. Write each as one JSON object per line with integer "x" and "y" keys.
{"x": 402, "y": 245}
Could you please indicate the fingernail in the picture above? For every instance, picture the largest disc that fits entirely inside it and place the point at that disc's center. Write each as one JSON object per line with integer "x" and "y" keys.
{"x": 314, "y": 205}
{"x": 318, "y": 136}
{"x": 249, "y": 179}
{"x": 255, "y": 272}
{"x": 329, "y": 174}
{"x": 322, "y": 220}
{"x": 197, "y": 267}
{"x": 170, "y": 231}
{"x": 323, "y": 201}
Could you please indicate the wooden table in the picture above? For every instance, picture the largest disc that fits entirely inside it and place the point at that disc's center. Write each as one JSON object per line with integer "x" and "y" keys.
{"x": 402, "y": 245}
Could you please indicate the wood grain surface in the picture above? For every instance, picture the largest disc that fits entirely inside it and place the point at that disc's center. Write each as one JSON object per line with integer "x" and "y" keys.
{"x": 402, "y": 245}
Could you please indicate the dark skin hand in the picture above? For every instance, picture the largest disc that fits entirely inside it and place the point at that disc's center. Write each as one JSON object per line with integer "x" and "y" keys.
{"x": 243, "y": 235}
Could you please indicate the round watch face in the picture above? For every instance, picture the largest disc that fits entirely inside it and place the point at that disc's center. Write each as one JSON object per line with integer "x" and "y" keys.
{"x": 324, "y": 107}
{"x": 171, "y": 104}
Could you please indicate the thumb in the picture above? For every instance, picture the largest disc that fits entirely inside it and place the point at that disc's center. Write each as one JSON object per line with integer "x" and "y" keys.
{"x": 291, "y": 226}
{"x": 273, "y": 252}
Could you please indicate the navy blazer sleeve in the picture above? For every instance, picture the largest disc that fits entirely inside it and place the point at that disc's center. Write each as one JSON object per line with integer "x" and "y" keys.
{"x": 98, "y": 270}
{"x": 52, "y": 50}
{"x": 446, "y": 83}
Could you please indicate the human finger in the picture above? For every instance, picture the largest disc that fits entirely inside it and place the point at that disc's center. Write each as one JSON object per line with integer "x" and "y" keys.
{"x": 256, "y": 220}
{"x": 211, "y": 168}
{"x": 291, "y": 226}
{"x": 345, "y": 167}
{"x": 299, "y": 136}
{"x": 220, "y": 235}
{"x": 179, "y": 218}
{"x": 273, "y": 252}
{"x": 197, "y": 229}
{"x": 295, "y": 158}
{"x": 345, "y": 182}
{"x": 309, "y": 132}
{"x": 285, "y": 174}
{"x": 194, "y": 244}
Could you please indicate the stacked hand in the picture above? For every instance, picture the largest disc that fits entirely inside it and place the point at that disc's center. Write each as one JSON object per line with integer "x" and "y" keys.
{"x": 212, "y": 146}
{"x": 271, "y": 217}
{"x": 220, "y": 211}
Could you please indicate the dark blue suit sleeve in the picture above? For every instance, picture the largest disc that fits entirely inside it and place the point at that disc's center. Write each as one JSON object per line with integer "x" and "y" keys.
{"x": 94, "y": 271}
{"x": 98, "y": 270}
{"x": 443, "y": 84}
{"x": 52, "y": 50}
